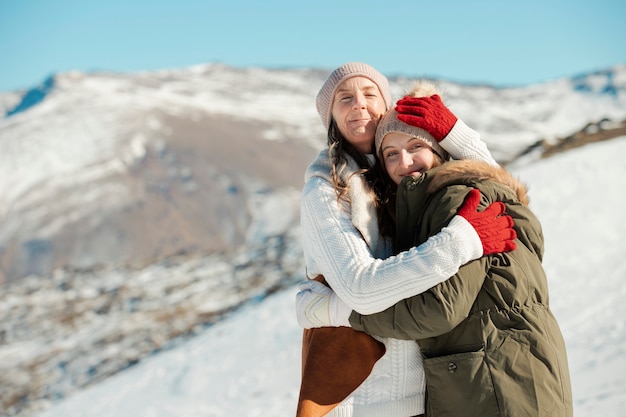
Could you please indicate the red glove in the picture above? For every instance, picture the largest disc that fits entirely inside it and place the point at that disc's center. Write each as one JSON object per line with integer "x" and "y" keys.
{"x": 494, "y": 229}
{"x": 428, "y": 113}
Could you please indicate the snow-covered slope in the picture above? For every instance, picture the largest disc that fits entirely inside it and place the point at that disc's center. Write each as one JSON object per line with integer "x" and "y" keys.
{"x": 110, "y": 168}
{"x": 249, "y": 364}
{"x": 91, "y": 163}
{"x": 172, "y": 197}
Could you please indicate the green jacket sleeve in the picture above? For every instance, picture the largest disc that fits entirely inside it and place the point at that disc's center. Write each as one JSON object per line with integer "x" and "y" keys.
{"x": 430, "y": 314}
{"x": 440, "y": 309}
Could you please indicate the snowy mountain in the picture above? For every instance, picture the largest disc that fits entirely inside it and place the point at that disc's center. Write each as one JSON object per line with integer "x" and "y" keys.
{"x": 249, "y": 364}
{"x": 138, "y": 210}
{"x": 118, "y": 168}
{"x": 103, "y": 168}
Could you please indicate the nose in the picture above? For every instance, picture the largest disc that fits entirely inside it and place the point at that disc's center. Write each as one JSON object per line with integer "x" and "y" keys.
{"x": 359, "y": 101}
{"x": 406, "y": 159}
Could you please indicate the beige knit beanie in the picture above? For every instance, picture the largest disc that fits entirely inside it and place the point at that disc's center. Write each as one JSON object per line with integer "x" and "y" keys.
{"x": 324, "y": 100}
{"x": 390, "y": 123}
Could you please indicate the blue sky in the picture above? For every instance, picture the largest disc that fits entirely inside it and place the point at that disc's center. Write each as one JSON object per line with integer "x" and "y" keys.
{"x": 496, "y": 42}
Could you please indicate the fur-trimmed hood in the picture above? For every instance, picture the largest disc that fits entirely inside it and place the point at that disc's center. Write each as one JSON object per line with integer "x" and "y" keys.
{"x": 491, "y": 320}
{"x": 470, "y": 170}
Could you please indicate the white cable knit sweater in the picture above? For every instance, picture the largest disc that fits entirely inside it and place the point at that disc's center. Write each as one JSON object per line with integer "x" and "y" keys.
{"x": 341, "y": 241}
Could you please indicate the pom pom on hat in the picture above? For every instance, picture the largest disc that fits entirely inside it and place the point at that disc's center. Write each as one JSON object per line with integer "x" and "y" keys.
{"x": 324, "y": 100}
{"x": 390, "y": 123}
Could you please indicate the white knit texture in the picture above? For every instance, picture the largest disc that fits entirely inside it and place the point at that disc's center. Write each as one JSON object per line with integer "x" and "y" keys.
{"x": 334, "y": 248}
{"x": 340, "y": 242}
{"x": 394, "y": 388}
{"x": 464, "y": 142}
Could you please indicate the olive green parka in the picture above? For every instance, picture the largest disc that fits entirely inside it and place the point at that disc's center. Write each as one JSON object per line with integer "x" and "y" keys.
{"x": 490, "y": 344}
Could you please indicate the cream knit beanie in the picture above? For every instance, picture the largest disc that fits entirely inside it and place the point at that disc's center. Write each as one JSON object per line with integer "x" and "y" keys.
{"x": 390, "y": 123}
{"x": 324, "y": 100}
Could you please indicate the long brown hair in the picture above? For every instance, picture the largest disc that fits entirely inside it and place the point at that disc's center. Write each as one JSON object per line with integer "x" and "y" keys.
{"x": 339, "y": 148}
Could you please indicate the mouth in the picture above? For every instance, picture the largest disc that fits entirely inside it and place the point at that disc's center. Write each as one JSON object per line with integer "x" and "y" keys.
{"x": 359, "y": 123}
{"x": 415, "y": 174}
{"x": 360, "y": 116}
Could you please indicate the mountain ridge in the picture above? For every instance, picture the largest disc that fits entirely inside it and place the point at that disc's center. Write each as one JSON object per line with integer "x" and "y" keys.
{"x": 139, "y": 209}
{"x": 111, "y": 167}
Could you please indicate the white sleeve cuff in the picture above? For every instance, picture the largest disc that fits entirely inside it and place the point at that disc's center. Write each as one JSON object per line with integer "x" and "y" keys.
{"x": 463, "y": 142}
{"x": 464, "y": 231}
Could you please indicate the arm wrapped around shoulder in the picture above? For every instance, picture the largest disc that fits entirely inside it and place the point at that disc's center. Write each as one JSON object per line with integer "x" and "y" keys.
{"x": 493, "y": 227}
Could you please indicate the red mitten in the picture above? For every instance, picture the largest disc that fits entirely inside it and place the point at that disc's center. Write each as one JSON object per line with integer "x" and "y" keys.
{"x": 428, "y": 113}
{"x": 494, "y": 229}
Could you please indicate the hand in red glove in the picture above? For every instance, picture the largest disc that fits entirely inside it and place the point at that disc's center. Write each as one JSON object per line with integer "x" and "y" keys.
{"x": 494, "y": 229}
{"x": 428, "y": 113}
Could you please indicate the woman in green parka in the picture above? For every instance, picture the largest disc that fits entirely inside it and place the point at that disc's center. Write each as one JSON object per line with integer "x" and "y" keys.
{"x": 490, "y": 343}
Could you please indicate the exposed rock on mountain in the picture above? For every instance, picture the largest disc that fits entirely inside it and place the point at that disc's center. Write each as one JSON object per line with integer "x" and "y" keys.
{"x": 138, "y": 208}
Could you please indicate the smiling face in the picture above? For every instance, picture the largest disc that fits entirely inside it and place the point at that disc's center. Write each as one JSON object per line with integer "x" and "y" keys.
{"x": 357, "y": 108}
{"x": 405, "y": 155}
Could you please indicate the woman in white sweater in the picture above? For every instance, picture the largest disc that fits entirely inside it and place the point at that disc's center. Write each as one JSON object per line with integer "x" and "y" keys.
{"x": 342, "y": 241}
